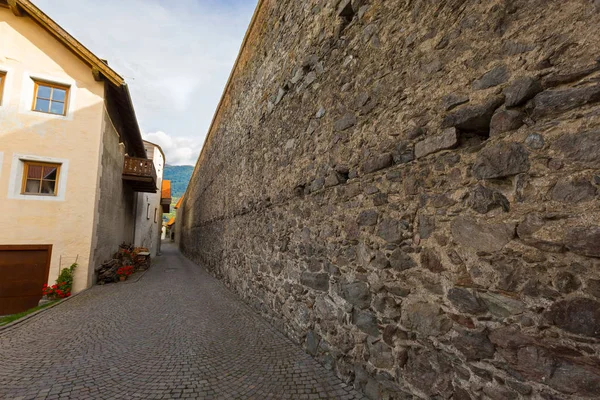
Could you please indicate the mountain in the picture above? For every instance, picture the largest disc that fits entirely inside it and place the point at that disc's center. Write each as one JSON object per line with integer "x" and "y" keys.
{"x": 179, "y": 175}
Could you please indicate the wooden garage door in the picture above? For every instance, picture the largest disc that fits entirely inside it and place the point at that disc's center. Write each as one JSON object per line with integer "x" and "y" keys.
{"x": 23, "y": 272}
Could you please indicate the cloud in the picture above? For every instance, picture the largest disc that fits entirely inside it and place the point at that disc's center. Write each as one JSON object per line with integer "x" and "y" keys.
{"x": 176, "y": 55}
{"x": 178, "y": 150}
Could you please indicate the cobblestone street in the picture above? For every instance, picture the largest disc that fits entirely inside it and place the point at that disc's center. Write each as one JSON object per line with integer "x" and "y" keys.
{"x": 176, "y": 333}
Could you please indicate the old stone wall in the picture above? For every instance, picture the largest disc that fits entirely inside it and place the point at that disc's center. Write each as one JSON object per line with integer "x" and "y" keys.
{"x": 115, "y": 213}
{"x": 409, "y": 189}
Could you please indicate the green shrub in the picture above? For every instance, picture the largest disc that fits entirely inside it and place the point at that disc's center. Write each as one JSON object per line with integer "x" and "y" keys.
{"x": 65, "y": 278}
{"x": 63, "y": 286}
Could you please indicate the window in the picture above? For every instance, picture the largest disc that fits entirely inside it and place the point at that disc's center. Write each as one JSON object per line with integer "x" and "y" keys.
{"x": 50, "y": 98}
{"x": 2, "y": 80}
{"x": 40, "y": 178}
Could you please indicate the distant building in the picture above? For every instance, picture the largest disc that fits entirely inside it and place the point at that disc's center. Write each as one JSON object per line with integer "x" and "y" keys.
{"x": 171, "y": 229}
{"x": 151, "y": 206}
{"x": 73, "y": 164}
{"x": 178, "y": 217}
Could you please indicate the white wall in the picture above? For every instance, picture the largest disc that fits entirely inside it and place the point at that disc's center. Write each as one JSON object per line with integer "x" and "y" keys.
{"x": 149, "y": 211}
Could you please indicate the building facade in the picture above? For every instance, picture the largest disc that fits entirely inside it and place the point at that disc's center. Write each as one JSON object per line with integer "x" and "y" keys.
{"x": 151, "y": 206}
{"x": 72, "y": 159}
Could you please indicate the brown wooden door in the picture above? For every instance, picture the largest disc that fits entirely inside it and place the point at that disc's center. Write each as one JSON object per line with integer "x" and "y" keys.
{"x": 23, "y": 271}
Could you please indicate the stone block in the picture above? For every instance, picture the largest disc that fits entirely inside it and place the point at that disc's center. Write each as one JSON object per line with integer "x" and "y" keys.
{"x": 473, "y": 118}
{"x": 316, "y": 281}
{"x": 381, "y": 356}
{"x": 501, "y": 160}
{"x": 580, "y": 147}
{"x": 505, "y": 121}
{"x": 484, "y": 200}
{"x": 573, "y": 191}
{"x": 425, "y": 319}
{"x": 426, "y": 226}
{"x": 401, "y": 261}
{"x": 578, "y": 315}
{"x": 390, "y": 230}
{"x": 357, "y": 294}
{"x": 431, "y": 260}
{"x": 446, "y": 140}
{"x": 378, "y": 162}
{"x": 554, "y": 102}
{"x": 346, "y": 121}
{"x": 453, "y": 100}
{"x": 366, "y": 321}
{"x": 502, "y": 306}
{"x": 466, "y": 301}
{"x": 474, "y": 345}
{"x": 593, "y": 287}
{"x": 493, "y": 77}
{"x": 481, "y": 236}
{"x": 521, "y": 90}
{"x": 584, "y": 240}
{"x": 312, "y": 342}
{"x": 325, "y": 308}
{"x": 535, "y": 141}
{"x": 367, "y": 218}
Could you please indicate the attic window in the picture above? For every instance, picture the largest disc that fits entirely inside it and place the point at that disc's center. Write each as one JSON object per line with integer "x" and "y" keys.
{"x": 50, "y": 98}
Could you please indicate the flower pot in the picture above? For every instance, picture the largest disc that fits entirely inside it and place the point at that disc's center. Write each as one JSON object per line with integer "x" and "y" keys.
{"x": 122, "y": 278}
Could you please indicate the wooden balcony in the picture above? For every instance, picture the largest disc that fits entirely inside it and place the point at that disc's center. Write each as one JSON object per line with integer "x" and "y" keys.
{"x": 140, "y": 174}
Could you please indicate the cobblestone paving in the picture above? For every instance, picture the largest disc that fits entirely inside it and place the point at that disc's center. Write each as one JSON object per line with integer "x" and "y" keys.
{"x": 176, "y": 333}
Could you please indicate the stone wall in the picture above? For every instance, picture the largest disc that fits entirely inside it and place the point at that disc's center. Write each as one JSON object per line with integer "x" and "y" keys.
{"x": 115, "y": 213}
{"x": 409, "y": 189}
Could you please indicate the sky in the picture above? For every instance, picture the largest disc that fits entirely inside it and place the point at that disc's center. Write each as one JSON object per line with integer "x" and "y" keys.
{"x": 175, "y": 55}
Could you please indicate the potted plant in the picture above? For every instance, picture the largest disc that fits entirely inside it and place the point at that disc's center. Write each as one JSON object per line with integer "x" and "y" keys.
{"x": 124, "y": 272}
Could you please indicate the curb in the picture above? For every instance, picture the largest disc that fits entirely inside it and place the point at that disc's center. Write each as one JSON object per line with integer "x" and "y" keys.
{"x": 33, "y": 314}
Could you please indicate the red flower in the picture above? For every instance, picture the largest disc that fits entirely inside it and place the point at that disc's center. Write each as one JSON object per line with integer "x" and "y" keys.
{"x": 125, "y": 270}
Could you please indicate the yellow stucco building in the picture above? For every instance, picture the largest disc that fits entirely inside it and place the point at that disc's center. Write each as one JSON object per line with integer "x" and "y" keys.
{"x": 72, "y": 159}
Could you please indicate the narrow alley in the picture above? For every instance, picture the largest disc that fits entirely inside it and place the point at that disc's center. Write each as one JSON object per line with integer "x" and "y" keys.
{"x": 175, "y": 333}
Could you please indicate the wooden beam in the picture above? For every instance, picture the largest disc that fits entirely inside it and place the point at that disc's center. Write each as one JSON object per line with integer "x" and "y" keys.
{"x": 98, "y": 77}
{"x": 15, "y": 8}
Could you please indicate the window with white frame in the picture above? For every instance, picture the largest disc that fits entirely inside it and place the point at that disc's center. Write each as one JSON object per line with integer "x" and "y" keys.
{"x": 50, "y": 98}
{"x": 40, "y": 178}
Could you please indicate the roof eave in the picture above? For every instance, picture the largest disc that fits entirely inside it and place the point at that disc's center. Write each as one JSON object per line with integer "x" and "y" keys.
{"x": 133, "y": 128}
{"x": 70, "y": 42}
